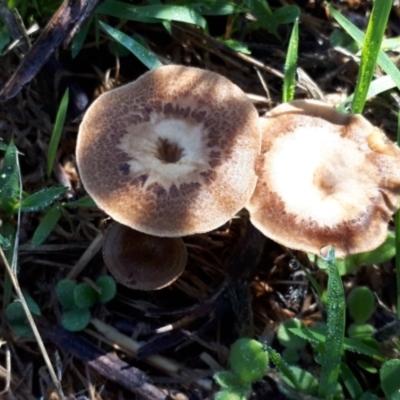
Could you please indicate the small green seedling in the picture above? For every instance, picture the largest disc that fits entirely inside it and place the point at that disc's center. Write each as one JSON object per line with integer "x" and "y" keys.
{"x": 248, "y": 359}
{"x": 249, "y": 362}
{"x": 17, "y": 318}
{"x": 361, "y": 303}
{"x": 76, "y": 300}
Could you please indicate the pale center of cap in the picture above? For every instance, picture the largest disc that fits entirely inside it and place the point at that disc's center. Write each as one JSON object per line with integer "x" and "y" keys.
{"x": 169, "y": 151}
{"x": 320, "y": 176}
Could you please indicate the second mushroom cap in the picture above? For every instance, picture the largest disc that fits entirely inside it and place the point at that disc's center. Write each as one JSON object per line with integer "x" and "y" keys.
{"x": 325, "y": 178}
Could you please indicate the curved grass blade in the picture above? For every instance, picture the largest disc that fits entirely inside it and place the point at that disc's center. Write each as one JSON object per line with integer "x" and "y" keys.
{"x": 289, "y": 81}
{"x": 144, "y": 55}
{"x": 283, "y": 367}
{"x": 47, "y": 224}
{"x": 57, "y": 130}
{"x": 79, "y": 38}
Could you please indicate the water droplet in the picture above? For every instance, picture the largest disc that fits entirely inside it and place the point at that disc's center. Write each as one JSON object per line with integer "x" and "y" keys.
{"x": 327, "y": 253}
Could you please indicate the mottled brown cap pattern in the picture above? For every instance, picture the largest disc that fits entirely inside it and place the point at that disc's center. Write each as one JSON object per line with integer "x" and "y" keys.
{"x": 172, "y": 153}
{"x": 325, "y": 178}
{"x": 143, "y": 262}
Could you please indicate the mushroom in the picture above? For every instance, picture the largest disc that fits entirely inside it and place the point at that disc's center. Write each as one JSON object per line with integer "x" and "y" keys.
{"x": 172, "y": 153}
{"x": 325, "y": 178}
{"x": 143, "y": 262}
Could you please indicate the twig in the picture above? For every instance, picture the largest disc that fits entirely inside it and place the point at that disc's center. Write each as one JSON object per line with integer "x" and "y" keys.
{"x": 61, "y": 28}
{"x": 8, "y": 371}
{"x": 160, "y": 362}
{"x": 32, "y": 324}
{"x": 90, "y": 252}
{"x": 111, "y": 367}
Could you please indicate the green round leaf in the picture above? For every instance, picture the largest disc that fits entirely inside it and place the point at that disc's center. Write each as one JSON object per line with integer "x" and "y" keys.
{"x": 65, "y": 293}
{"x": 248, "y": 359}
{"x": 23, "y": 330}
{"x": 361, "y": 302}
{"x": 76, "y": 320}
{"x": 15, "y": 313}
{"x": 390, "y": 373}
{"x": 228, "y": 395}
{"x": 108, "y": 288}
{"x": 360, "y": 331}
{"x": 287, "y": 338}
{"x": 85, "y": 295}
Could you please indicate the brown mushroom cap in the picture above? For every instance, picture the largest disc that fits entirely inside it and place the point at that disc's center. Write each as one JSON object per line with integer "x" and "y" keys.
{"x": 143, "y": 262}
{"x": 325, "y": 178}
{"x": 172, "y": 153}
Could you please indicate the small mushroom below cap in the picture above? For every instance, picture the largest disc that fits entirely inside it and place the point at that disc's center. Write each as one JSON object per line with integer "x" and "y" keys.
{"x": 143, "y": 262}
{"x": 325, "y": 178}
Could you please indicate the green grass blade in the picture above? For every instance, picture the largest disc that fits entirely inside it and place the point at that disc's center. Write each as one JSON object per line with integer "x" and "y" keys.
{"x": 397, "y": 236}
{"x": 119, "y": 9}
{"x": 354, "y": 345}
{"x": 143, "y": 54}
{"x": 372, "y": 44}
{"x": 83, "y": 202}
{"x": 152, "y": 13}
{"x": 350, "y": 382}
{"x": 171, "y": 12}
{"x": 57, "y": 130}
{"x": 335, "y": 329}
{"x": 283, "y": 367}
{"x": 383, "y": 60}
{"x": 289, "y": 80}
{"x": 47, "y": 224}
{"x": 9, "y": 180}
{"x": 42, "y": 198}
{"x": 80, "y": 37}
{"x": 9, "y": 233}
